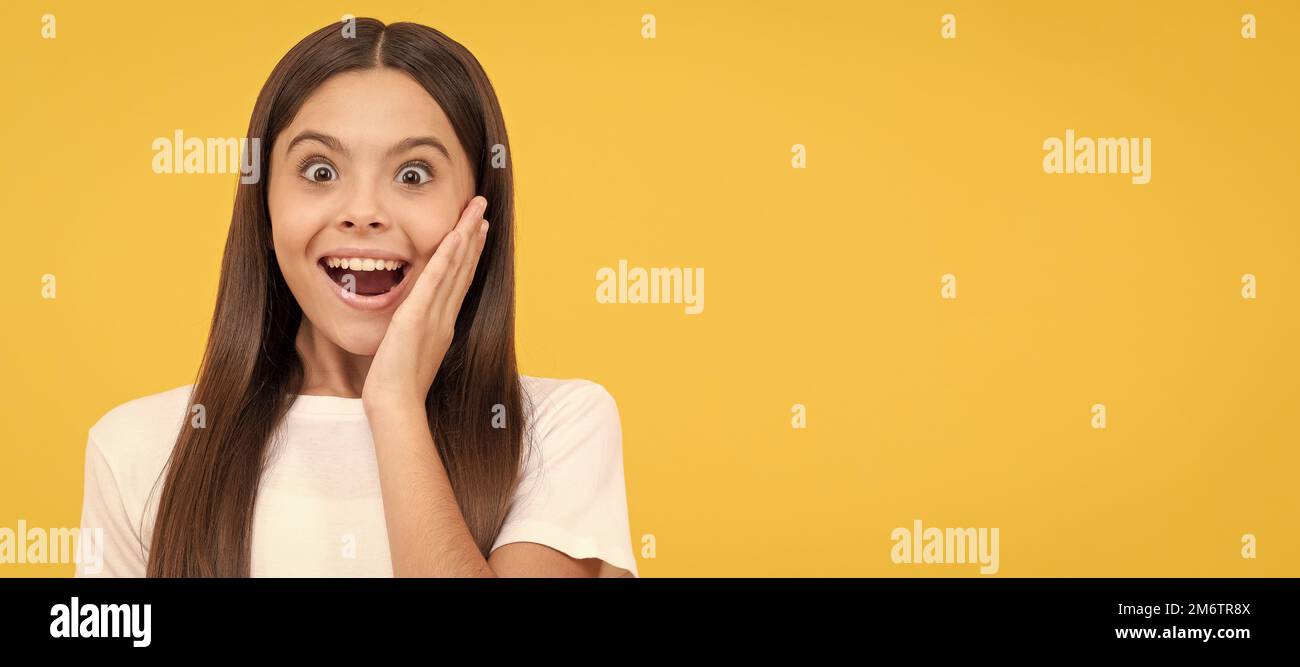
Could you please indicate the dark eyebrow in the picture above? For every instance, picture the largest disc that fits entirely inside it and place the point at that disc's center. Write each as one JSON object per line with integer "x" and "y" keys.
{"x": 335, "y": 144}
{"x": 309, "y": 135}
{"x": 412, "y": 142}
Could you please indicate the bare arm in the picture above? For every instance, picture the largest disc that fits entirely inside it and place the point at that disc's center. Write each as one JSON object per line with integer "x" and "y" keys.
{"x": 427, "y": 533}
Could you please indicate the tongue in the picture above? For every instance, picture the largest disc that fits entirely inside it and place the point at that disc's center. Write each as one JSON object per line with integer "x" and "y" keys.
{"x": 365, "y": 283}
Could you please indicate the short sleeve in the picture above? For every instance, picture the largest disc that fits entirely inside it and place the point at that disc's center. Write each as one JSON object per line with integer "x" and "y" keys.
{"x": 572, "y": 496}
{"x": 110, "y": 545}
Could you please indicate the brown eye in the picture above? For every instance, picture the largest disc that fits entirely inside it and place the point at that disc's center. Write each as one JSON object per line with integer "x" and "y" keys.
{"x": 414, "y": 174}
{"x": 319, "y": 173}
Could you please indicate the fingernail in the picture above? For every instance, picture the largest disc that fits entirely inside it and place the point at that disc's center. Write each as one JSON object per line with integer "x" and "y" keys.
{"x": 482, "y": 229}
{"x": 482, "y": 207}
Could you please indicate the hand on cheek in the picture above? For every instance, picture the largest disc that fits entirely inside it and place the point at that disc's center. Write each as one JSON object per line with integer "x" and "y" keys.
{"x": 422, "y": 326}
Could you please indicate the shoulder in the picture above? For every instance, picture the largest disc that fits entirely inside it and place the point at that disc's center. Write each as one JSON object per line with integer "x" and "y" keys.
{"x": 569, "y": 406}
{"x": 141, "y": 432}
{"x": 573, "y": 496}
{"x": 540, "y": 388}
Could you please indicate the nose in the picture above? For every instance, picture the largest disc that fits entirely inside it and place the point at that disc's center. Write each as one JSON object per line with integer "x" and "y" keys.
{"x": 364, "y": 211}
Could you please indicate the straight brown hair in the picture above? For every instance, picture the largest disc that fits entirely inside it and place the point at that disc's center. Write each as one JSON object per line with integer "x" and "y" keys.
{"x": 251, "y": 372}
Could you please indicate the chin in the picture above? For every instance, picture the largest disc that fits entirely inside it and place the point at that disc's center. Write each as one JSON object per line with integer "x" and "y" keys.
{"x": 360, "y": 338}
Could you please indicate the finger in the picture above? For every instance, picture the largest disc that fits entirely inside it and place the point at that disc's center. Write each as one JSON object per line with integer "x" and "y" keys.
{"x": 432, "y": 280}
{"x": 467, "y": 229}
{"x": 425, "y": 290}
{"x": 464, "y": 231}
{"x": 465, "y": 278}
{"x": 470, "y": 250}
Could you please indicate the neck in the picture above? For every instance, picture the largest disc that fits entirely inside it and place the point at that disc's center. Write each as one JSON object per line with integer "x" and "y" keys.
{"x": 329, "y": 370}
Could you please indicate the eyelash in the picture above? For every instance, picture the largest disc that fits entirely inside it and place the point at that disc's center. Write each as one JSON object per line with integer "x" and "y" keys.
{"x": 420, "y": 164}
{"x": 313, "y": 160}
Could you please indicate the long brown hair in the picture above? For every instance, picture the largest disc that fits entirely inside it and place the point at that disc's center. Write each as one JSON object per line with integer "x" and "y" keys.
{"x": 251, "y": 371}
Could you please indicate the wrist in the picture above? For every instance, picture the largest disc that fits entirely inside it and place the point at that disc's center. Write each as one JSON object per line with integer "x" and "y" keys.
{"x": 386, "y": 406}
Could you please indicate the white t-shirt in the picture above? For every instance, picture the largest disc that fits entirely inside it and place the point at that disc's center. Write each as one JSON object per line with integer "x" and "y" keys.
{"x": 319, "y": 512}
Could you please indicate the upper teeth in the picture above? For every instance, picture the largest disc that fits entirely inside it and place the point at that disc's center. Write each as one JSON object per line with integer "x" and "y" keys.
{"x": 363, "y": 264}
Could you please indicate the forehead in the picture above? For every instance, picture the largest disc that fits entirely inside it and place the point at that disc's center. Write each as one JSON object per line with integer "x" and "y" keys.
{"x": 372, "y": 110}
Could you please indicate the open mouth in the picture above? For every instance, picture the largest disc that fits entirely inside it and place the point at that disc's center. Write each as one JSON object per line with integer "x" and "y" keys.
{"x": 364, "y": 276}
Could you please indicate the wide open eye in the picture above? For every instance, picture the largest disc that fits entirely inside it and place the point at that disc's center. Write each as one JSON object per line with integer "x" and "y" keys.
{"x": 414, "y": 173}
{"x": 319, "y": 172}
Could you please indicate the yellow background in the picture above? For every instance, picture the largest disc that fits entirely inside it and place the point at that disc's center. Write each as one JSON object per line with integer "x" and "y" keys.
{"x": 822, "y": 284}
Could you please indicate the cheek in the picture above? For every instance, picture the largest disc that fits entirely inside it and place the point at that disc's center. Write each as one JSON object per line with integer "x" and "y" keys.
{"x": 426, "y": 224}
{"x": 294, "y": 221}
{"x": 290, "y": 237}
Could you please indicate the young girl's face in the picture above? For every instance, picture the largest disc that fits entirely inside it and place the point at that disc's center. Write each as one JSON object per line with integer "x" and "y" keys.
{"x": 361, "y": 193}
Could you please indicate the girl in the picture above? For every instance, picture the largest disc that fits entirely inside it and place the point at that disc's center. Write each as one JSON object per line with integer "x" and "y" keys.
{"x": 358, "y": 411}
